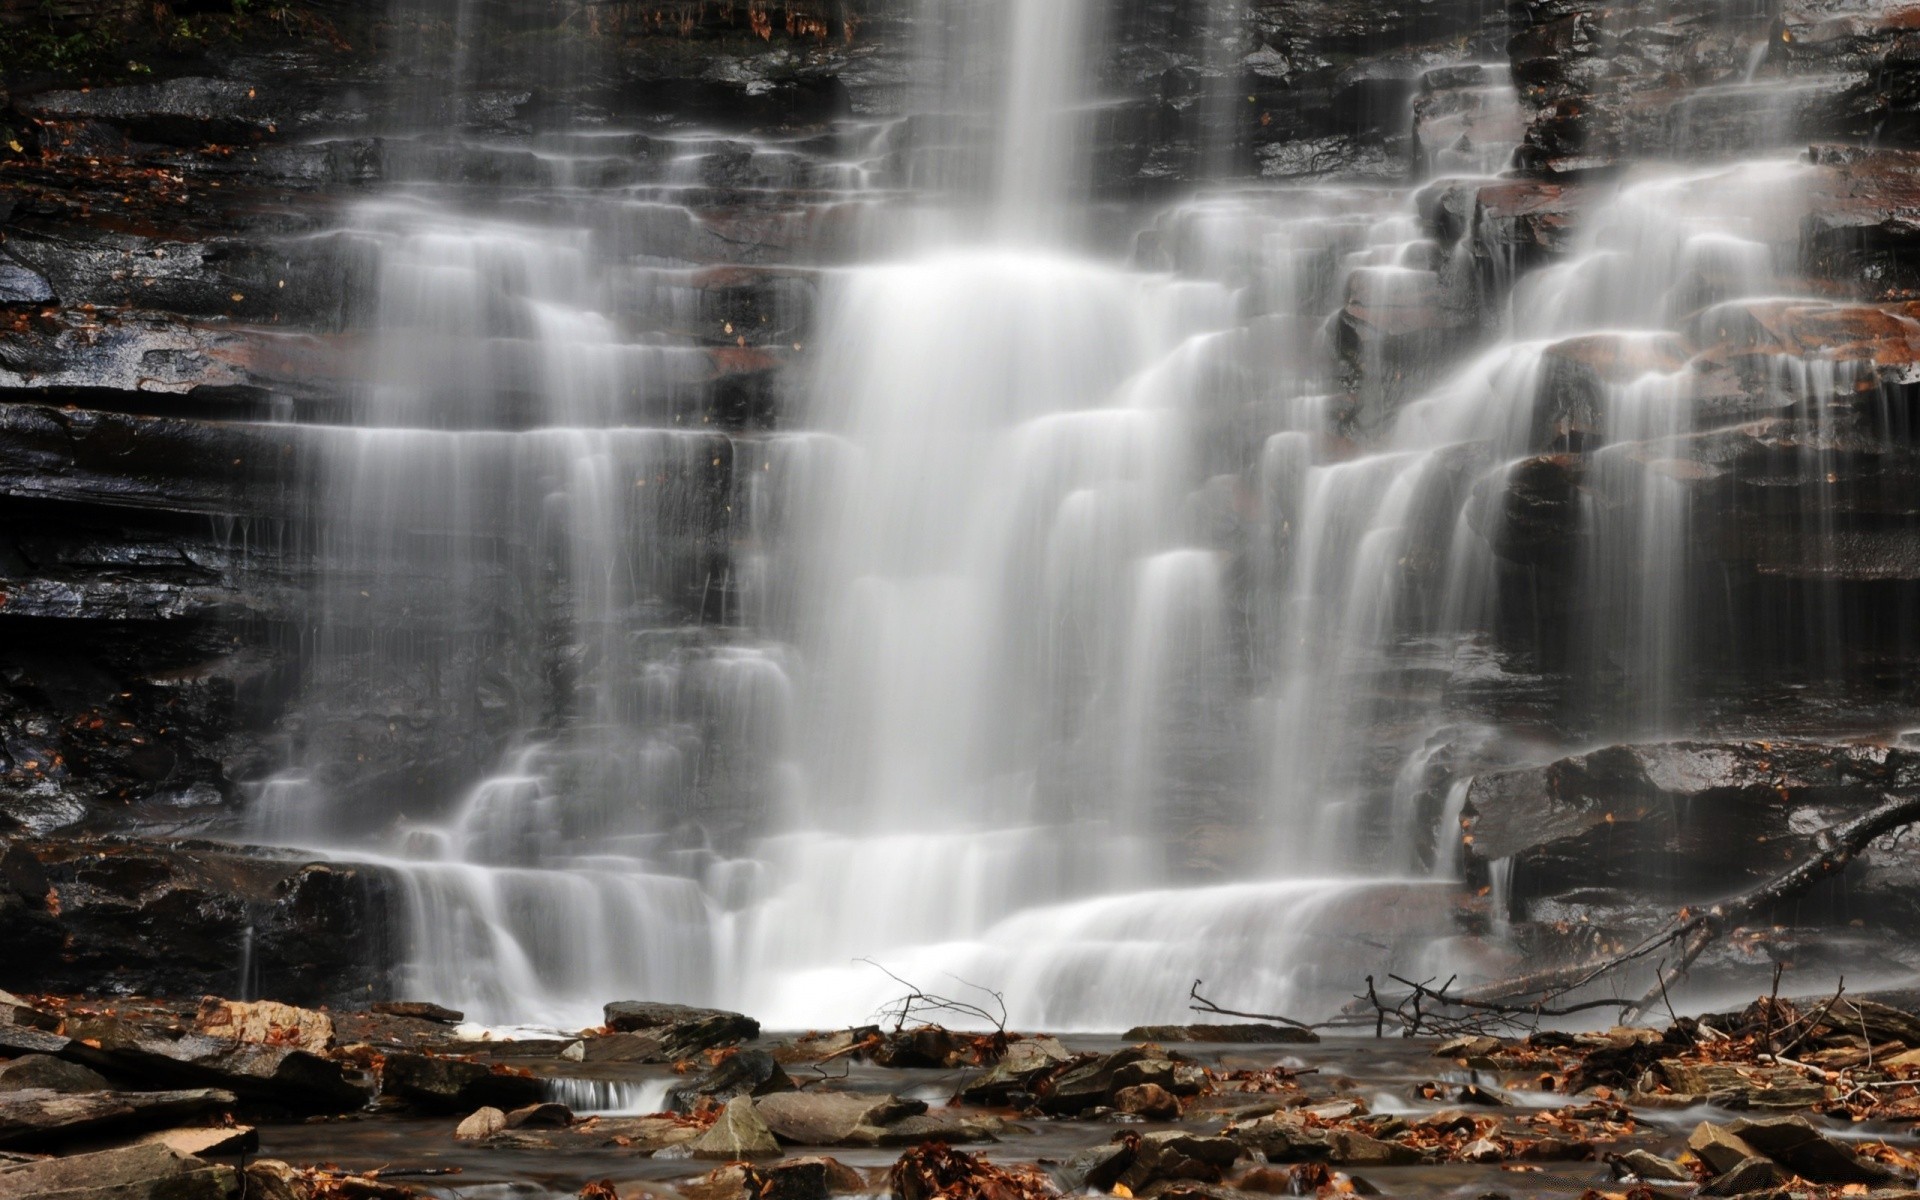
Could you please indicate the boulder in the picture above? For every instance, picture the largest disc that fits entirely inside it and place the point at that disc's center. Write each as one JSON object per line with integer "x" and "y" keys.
{"x": 546, "y": 1115}
{"x": 1174, "y": 1154}
{"x": 480, "y": 1125}
{"x": 1024, "y": 1061}
{"x": 1148, "y": 1100}
{"x": 23, "y": 287}
{"x": 44, "y": 1071}
{"x": 739, "y": 1133}
{"x": 13, "y": 1009}
{"x": 1674, "y": 815}
{"x": 1083, "y": 1082}
{"x": 419, "y": 1010}
{"x": 743, "y": 1073}
{"x": 830, "y": 1118}
{"x": 1348, "y": 1148}
{"x": 450, "y": 1085}
{"x": 217, "y": 1140}
{"x": 151, "y": 1171}
{"x": 792, "y": 1179}
{"x": 700, "y": 1028}
{"x": 37, "y": 1118}
{"x": 1747, "y": 1175}
{"x": 1718, "y": 1147}
{"x": 266, "y": 1022}
{"x": 1282, "y": 1138}
{"x": 1794, "y": 1143}
{"x": 928, "y": 1046}
{"x": 943, "y": 1125}
{"x": 281, "y": 1075}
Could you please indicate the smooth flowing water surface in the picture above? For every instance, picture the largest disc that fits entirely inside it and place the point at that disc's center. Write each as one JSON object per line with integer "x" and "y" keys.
{"x": 1053, "y": 637}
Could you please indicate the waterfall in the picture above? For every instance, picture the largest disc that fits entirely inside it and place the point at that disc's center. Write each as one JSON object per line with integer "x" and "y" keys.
{"x": 1077, "y": 623}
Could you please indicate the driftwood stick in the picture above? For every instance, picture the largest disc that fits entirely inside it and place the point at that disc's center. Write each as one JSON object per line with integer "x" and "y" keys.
{"x": 1839, "y": 846}
{"x": 1202, "y": 1004}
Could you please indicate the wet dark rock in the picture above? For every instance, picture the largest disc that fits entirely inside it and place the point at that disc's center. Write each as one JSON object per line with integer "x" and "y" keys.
{"x": 22, "y": 286}
{"x": 1649, "y": 1167}
{"x": 793, "y": 1179}
{"x": 543, "y": 1115}
{"x": 1149, "y": 1100}
{"x": 48, "y": 1073}
{"x": 1673, "y": 815}
{"x": 452, "y": 1085}
{"x": 928, "y": 1046}
{"x": 37, "y": 1118}
{"x": 1747, "y": 1175}
{"x": 1083, "y": 1082}
{"x": 1719, "y": 1148}
{"x": 679, "y": 1028}
{"x": 1169, "y": 1155}
{"x": 165, "y": 919}
{"x": 739, "y": 1133}
{"x": 1024, "y": 1062}
{"x": 139, "y": 1172}
{"x": 278, "y": 1075}
{"x": 1794, "y": 1143}
{"x": 743, "y": 1073}
{"x": 951, "y": 1126}
{"x": 419, "y": 1010}
{"x": 816, "y": 1118}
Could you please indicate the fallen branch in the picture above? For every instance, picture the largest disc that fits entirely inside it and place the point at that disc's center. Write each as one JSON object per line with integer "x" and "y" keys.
{"x": 1840, "y": 846}
{"x": 1202, "y": 1004}
{"x": 1693, "y": 931}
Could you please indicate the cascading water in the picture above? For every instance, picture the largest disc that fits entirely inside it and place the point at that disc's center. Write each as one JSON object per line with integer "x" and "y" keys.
{"x": 1055, "y": 639}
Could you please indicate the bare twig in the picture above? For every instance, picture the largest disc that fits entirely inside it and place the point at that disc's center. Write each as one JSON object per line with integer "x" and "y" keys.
{"x": 917, "y": 999}
{"x": 1202, "y": 1004}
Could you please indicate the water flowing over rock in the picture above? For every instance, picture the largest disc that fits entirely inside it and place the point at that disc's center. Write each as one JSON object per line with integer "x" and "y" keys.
{"x": 797, "y": 507}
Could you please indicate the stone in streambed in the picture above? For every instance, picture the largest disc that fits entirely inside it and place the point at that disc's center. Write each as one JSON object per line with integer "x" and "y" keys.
{"x": 1747, "y": 1175}
{"x": 22, "y": 286}
{"x": 1282, "y": 1138}
{"x": 49, "y": 1073}
{"x": 679, "y": 1031}
{"x": 1084, "y": 1082}
{"x": 139, "y": 1172}
{"x": 481, "y": 1124}
{"x": 1719, "y": 1148}
{"x": 218, "y": 1140}
{"x": 1794, "y": 1143}
{"x": 548, "y": 1115}
{"x": 16, "y": 1011}
{"x": 37, "y": 1118}
{"x": 266, "y": 1022}
{"x": 455, "y": 1085}
{"x": 790, "y": 1179}
{"x": 419, "y": 1010}
{"x": 281, "y": 1074}
{"x": 1350, "y": 1149}
{"x": 739, "y": 1133}
{"x": 743, "y": 1073}
{"x": 946, "y": 1125}
{"x": 1252, "y": 1034}
{"x": 830, "y": 1118}
{"x": 1024, "y": 1061}
{"x": 1176, "y": 1155}
{"x": 1649, "y": 1167}
{"x": 1148, "y": 1100}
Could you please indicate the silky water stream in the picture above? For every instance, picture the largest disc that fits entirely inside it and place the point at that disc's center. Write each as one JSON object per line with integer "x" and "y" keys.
{"x": 1048, "y": 640}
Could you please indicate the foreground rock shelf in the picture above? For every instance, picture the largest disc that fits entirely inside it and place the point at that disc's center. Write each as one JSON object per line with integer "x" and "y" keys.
{"x": 429, "y": 1107}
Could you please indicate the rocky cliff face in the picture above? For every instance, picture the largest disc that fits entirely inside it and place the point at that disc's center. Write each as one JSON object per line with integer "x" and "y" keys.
{"x": 180, "y": 323}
